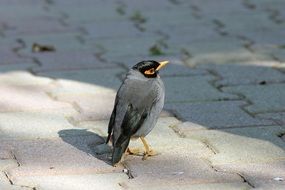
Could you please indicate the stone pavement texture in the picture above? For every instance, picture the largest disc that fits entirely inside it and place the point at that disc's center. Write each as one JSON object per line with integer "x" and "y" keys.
{"x": 223, "y": 124}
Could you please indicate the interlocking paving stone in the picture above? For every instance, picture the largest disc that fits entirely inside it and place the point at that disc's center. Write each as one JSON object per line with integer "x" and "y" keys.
{"x": 242, "y": 145}
{"x": 278, "y": 117}
{"x": 70, "y": 155}
{"x": 16, "y": 67}
{"x": 267, "y": 34}
{"x": 195, "y": 31}
{"x": 57, "y": 61}
{"x": 173, "y": 168}
{"x": 67, "y": 87}
{"x": 79, "y": 13}
{"x": 206, "y": 186}
{"x": 221, "y": 114}
{"x": 6, "y": 185}
{"x": 73, "y": 182}
{"x": 220, "y": 50}
{"x": 23, "y": 125}
{"x": 97, "y": 30}
{"x": 7, "y": 164}
{"x": 8, "y": 57}
{"x": 280, "y": 54}
{"x": 260, "y": 175}
{"x": 106, "y": 78}
{"x": 35, "y": 26}
{"x": 62, "y": 42}
{"x": 90, "y": 106}
{"x": 240, "y": 74}
{"x": 192, "y": 89}
{"x": 5, "y": 154}
{"x": 210, "y": 8}
{"x": 124, "y": 46}
{"x": 264, "y": 98}
{"x": 22, "y": 78}
{"x": 24, "y": 11}
{"x": 30, "y": 98}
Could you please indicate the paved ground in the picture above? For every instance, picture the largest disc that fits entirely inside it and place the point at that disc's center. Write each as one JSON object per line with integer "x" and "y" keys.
{"x": 223, "y": 126}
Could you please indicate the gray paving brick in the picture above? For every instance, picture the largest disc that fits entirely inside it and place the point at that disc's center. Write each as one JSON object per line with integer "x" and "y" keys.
{"x": 211, "y": 9}
{"x": 220, "y": 50}
{"x": 90, "y": 106}
{"x": 35, "y": 26}
{"x": 62, "y": 42}
{"x": 6, "y": 164}
{"x": 123, "y": 28}
{"x": 106, "y": 78}
{"x": 279, "y": 117}
{"x": 79, "y": 13}
{"x": 260, "y": 175}
{"x": 195, "y": 31}
{"x": 240, "y": 74}
{"x": 242, "y": 145}
{"x": 16, "y": 67}
{"x": 23, "y": 11}
{"x": 215, "y": 114}
{"x": 5, "y": 184}
{"x": 22, "y": 78}
{"x": 280, "y": 54}
{"x": 28, "y": 98}
{"x": 167, "y": 17}
{"x": 172, "y": 169}
{"x": 23, "y": 125}
{"x": 264, "y": 98}
{"x": 70, "y": 155}
{"x": 206, "y": 186}
{"x": 73, "y": 182}
{"x": 67, "y": 87}
{"x": 57, "y": 61}
{"x": 123, "y": 46}
{"x": 179, "y": 89}
{"x": 8, "y": 57}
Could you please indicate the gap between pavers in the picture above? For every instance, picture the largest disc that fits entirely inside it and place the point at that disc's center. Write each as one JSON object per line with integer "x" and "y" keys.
{"x": 263, "y": 98}
{"x": 193, "y": 89}
{"x": 245, "y": 73}
{"x": 240, "y": 145}
{"x": 216, "y": 114}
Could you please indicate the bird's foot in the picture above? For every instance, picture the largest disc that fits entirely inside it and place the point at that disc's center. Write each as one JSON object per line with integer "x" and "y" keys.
{"x": 149, "y": 153}
{"x": 135, "y": 151}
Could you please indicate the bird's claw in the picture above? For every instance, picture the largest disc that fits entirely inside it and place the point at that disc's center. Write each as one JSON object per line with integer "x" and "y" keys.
{"x": 149, "y": 153}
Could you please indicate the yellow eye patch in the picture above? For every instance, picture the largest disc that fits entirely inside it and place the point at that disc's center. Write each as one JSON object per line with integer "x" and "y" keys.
{"x": 150, "y": 71}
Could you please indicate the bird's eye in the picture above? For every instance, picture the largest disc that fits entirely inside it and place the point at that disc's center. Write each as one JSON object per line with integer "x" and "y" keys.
{"x": 150, "y": 71}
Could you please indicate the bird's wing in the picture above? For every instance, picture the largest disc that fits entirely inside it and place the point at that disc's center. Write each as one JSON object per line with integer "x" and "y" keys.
{"x": 132, "y": 121}
{"x": 112, "y": 121}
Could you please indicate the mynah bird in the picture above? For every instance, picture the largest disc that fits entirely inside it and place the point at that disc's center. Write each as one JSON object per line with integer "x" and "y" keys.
{"x": 138, "y": 104}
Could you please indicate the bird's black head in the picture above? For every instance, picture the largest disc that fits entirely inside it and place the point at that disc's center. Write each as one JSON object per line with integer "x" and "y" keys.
{"x": 149, "y": 68}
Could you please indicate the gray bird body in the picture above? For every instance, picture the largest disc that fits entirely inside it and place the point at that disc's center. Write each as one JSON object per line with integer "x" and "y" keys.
{"x": 138, "y": 104}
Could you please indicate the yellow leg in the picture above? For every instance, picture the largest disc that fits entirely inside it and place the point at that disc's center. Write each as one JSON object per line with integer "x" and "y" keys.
{"x": 148, "y": 151}
{"x": 134, "y": 151}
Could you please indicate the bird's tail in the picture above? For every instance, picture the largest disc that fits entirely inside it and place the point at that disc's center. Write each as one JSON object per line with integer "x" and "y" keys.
{"x": 119, "y": 150}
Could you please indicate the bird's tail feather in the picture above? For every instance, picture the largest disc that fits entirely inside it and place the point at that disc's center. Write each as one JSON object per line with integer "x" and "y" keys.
{"x": 119, "y": 150}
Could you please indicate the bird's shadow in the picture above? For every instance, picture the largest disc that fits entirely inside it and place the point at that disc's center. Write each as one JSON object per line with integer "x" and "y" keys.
{"x": 89, "y": 142}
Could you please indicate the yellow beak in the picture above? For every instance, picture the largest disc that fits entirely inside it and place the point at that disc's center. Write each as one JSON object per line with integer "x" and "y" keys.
{"x": 161, "y": 64}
